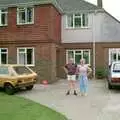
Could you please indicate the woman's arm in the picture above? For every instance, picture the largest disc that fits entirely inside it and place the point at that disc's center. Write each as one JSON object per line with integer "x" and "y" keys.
{"x": 89, "y": 71}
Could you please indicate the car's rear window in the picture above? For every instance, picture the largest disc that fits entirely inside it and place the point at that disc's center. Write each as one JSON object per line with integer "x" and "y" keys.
{"x": 116, "y": 67}
{"x": 22, "y": 70}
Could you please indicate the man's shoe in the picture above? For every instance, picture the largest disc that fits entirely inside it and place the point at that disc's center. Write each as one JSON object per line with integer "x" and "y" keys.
{"x": 68, "y": 92}
{"x": 75, "y": 92}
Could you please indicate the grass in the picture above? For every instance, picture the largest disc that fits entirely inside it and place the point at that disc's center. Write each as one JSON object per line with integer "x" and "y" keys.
{"x": 17, "y": 108}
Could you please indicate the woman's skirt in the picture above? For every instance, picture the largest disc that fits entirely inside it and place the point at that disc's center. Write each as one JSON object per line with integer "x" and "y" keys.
{"x": 83, "y": 83}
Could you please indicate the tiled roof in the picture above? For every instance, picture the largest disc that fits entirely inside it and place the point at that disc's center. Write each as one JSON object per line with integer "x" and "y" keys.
{"x": 65, "y": 6}
{"x": 19, "y": 2}
{"x": 73, "y": 6}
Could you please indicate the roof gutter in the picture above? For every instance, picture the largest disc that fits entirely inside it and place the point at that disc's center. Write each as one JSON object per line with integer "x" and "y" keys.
{"x": 84, "y": 11}
{"x": 26, "y": 4}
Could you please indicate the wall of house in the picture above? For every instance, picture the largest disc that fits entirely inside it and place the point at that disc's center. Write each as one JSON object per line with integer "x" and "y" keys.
{"x": 105, "y": 28}
{"x": 110, "y": 29}
{"x": 76, "y": 35}
{"x": 102, "y": 28}
{"x": 45, "y": 59}
{"x": 46, "y": 27}
{"x": 43, "y": 35}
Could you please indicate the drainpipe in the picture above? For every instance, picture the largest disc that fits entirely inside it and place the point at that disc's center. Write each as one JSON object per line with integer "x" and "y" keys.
{"x": 94, "y": 44}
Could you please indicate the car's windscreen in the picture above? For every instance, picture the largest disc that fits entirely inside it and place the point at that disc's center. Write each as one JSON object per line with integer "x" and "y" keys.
{"x": 116, "y": 67}
{"x": 22, "y": 70}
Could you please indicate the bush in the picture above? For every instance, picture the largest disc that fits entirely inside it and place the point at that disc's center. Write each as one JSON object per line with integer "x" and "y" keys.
{"x": 101, "y": 73}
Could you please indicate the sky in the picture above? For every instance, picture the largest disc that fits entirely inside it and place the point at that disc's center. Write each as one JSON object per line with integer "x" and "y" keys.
{"x": 111, "y": 6}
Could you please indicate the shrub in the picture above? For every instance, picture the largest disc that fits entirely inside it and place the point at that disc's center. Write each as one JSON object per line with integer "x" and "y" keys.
{"x": 101, "y": 73}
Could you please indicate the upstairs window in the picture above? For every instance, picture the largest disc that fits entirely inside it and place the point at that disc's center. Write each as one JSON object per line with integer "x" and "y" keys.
{"x": 25, "y": 15}
{"x": 3, "y": 17}
{"x": 77, "y": 21}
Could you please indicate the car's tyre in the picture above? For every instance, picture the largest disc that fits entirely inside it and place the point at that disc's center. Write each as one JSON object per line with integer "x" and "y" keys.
{"x": 29, "y": 87}
{"x": 9, "y": 89}
{"x": 109, "y": 86}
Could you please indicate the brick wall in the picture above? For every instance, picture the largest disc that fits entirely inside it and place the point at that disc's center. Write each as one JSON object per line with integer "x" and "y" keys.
{"x": 46, "y": 27}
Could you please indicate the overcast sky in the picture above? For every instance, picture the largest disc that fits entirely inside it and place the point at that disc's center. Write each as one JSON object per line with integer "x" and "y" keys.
{"x": 111, "y": 6}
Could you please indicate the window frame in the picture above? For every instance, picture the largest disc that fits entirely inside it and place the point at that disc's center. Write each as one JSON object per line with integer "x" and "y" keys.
{"x": 18, "y": 18}
{"x": 6, "y": 55}
{"x": 6, "y": 13}
{"x": 81, "y": 17}
{"x": 33, "y": 55}
{"x": 82, "y": 51}
{"x": 115, "y": 51}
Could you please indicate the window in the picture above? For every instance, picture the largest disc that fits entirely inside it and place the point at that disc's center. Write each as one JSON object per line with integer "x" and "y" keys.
{"x": 25, "y": 56}
{"x": 4, "y": 70}
{"x": 114, "y": 55}
{"x": 3, "y": 17}
{"x": 77, "y": 21}
{"x": 77, "y": 55}
{"x": 22, "y": 70}
{"x": 3, "y": 56}
{"x": 25, "y": 15}
{"x": 116, "y": 67}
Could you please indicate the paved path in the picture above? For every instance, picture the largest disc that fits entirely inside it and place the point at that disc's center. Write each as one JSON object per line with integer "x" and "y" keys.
{"x": 100, "y": 104}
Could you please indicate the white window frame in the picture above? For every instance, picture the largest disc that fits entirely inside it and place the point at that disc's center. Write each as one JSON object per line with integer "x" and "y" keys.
{"x": 81, "y": 15}
{"x": 78, "y": 53}
{"x": 6, "y": 12}
{"x": 117, "y": 51}
{"x": 33, "y": 56}
{"x": 5, "y": 53}
{"x": 32, "y": 22}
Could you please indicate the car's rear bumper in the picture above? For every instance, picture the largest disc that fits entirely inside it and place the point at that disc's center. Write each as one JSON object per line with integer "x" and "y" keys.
{"x": 24, "y": 84}
{"x": 114, "y": 83}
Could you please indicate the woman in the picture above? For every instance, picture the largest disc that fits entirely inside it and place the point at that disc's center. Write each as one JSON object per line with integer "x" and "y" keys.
{"x": 84, "y": 71}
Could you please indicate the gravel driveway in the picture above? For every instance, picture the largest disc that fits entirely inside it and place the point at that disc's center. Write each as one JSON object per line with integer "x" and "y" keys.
{"x": 100, "y": 104}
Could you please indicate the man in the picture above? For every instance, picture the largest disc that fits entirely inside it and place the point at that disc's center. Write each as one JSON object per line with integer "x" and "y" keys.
{"x": 70, "y": 70}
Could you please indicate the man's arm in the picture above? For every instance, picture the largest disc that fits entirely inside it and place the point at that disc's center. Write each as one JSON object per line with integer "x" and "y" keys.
{"x": 65, "y": 69}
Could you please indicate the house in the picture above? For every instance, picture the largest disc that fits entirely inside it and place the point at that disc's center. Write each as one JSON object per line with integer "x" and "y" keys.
{"x": 89, "y": 32}
{"x": 43, "y": 34}
{"x": 30, "y": 34}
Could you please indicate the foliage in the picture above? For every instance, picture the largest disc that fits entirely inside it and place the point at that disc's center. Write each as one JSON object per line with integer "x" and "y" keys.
{"x": 101, "y": 73}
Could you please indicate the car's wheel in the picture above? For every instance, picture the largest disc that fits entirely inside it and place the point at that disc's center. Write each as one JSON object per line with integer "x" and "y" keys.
{"x": 29, "y": 87}
{"x": 109, "y": 86}
{"x": 9, "y": 89}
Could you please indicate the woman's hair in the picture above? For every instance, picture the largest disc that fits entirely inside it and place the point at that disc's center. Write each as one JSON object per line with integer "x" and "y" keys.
{"x": 82, "y": 60}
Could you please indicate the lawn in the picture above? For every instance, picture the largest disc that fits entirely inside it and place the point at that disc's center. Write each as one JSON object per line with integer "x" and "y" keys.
{"x": 16, "y": 108}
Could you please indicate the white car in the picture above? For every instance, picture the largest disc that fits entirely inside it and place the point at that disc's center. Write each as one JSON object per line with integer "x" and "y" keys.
{"x": 114, "y": 75}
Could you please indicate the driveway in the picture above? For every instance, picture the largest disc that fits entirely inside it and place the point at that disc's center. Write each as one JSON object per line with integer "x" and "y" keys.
{"x": 100, "y": 104}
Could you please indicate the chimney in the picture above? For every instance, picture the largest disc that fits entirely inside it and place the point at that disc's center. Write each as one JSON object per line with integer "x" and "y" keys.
{"x": 99, "y": 3}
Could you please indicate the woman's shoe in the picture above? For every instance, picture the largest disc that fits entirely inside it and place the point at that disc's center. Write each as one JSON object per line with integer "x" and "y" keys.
{"x": 85, "y": 94}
